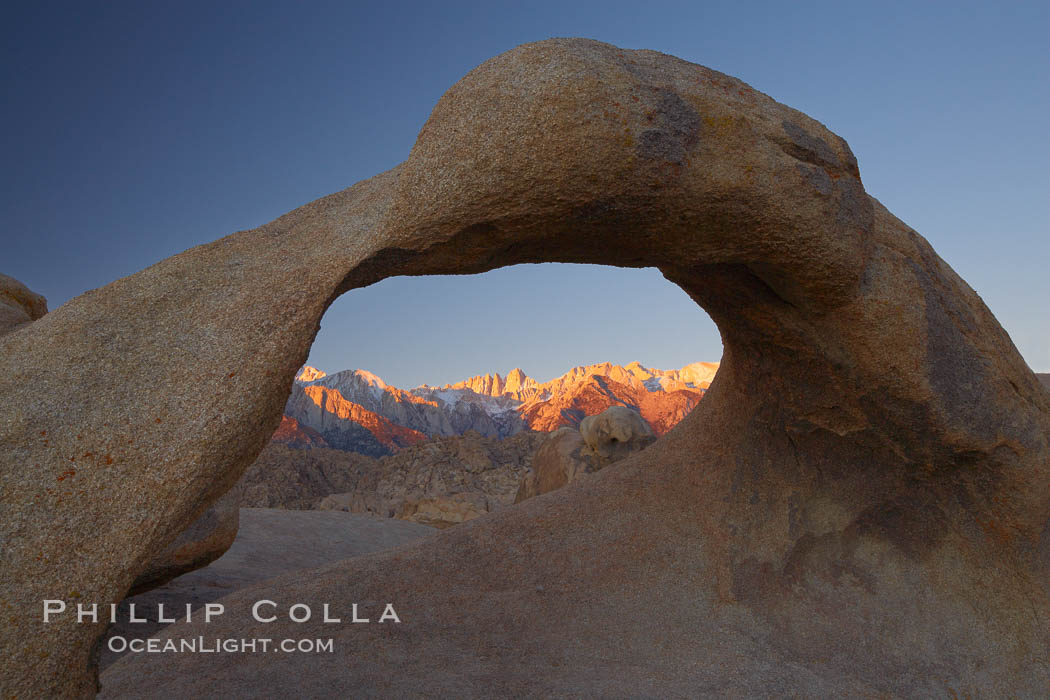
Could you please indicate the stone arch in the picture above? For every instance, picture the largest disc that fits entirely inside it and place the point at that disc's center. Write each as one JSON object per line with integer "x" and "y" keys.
{"x": 882, "y": 438}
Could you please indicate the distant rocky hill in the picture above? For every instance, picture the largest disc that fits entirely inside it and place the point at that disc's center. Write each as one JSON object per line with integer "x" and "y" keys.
{"x": 357, "y": 411}
{"x": 291, "y": 434}
{"x": 347, "y": 424}
{"x": 440, "y": 482}
{"x": 297, "y": 479}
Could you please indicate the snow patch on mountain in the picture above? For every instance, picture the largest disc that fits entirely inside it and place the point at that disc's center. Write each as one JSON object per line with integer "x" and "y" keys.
{"x": 497, "y": 406}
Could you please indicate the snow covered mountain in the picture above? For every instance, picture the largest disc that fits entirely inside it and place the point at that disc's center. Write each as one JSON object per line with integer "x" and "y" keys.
{"x": 356, "y": 410}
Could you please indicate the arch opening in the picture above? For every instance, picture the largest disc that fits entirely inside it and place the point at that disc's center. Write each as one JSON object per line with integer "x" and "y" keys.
{"x": 386, "y": 398}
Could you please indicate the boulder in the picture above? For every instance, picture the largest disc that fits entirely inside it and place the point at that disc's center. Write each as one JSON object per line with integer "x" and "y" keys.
{"x": 615, "y": 433}
{"x": 567, "y": 453}
{"x": 439, "y": 511}
{"x": 348, "y": 502}
{"x": 443, "y": 511}
{"x": 18, "y": 305}
{"x": 562, "y": 458}
{"x": 858, "y": 506}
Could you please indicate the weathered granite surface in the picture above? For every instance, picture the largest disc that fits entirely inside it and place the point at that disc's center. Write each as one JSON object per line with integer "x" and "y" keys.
{"x": 18, "y": 305}
{"x": 205, "y": 540}
{"x": 567, "y": 454}
{"x": 615, "y": 433}
{"x": 270, "y": 542}
{"x": 857, "y": 507}
{"x": 563, "y": 457}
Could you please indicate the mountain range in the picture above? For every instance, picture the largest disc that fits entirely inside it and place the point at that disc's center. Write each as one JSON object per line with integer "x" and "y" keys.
{"x": 356, "y": 411}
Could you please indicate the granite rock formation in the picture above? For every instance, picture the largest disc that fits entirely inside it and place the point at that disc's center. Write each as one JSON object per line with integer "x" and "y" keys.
{"x": 563, "y": 457}
{"x": 872, "y": 518}
{"x": 308, "y": 374}
{"x": 464, "y": 476}
{"x": 520, "y": 387}
{"x": 205, "y": 540}
{"x": 615, "y": 433}
{"x": 18, "y": 305}
{"x": 296, "y": 479}
{"x": 567, "y": 453}
{"x": 357, "y": 400}
{"x": 269, "y": 543}
{"x": 591, "y": 394}
{"x": 442, "y": 482}
{"x": 444, "y": 511}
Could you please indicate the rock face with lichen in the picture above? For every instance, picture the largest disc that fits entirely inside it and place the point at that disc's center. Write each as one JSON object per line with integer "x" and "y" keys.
{"x": 858, "y": 506}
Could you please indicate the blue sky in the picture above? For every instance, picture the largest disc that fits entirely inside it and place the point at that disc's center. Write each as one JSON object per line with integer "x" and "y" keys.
{"x": 133, "y": 131}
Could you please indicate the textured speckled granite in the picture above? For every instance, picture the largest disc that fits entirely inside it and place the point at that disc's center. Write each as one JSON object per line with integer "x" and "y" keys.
{"x": 18, "y": 305}
{"x": 269, "y": 542}
{"x": 205, "y": 540}
{"x": 858, "y": 506}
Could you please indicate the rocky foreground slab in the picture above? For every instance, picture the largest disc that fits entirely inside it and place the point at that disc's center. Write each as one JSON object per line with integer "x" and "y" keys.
{"x": 269, "y": 543}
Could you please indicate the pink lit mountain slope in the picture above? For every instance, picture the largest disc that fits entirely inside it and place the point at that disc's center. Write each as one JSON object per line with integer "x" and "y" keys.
{"x": 357, "y": 411}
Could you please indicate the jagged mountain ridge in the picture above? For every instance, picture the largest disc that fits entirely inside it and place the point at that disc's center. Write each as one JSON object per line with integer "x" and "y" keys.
{"x": 519, "y": 386}
{"x": 357, "y": 411}
{"x": 353, "y": 425}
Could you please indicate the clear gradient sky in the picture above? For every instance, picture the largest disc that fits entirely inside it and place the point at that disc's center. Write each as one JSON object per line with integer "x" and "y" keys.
{"x": 134, "y": 130}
